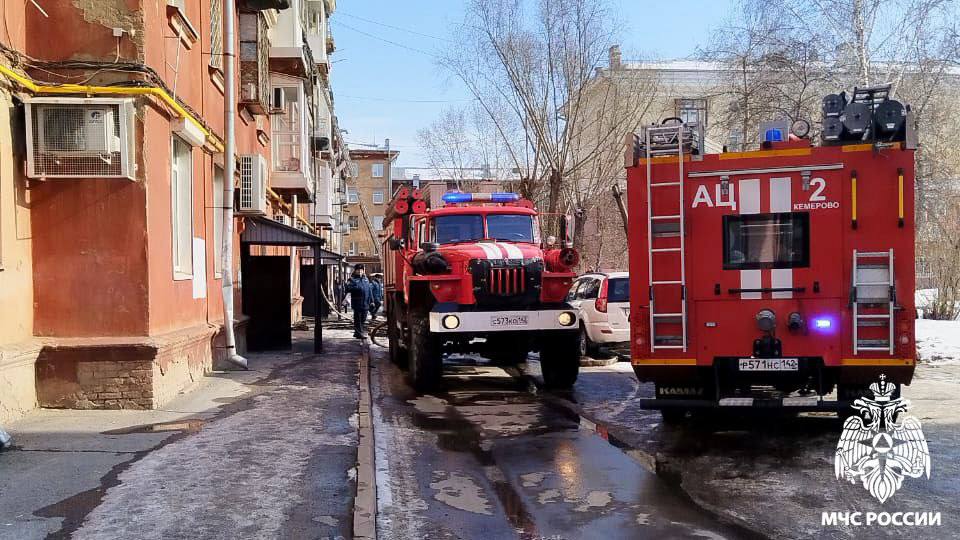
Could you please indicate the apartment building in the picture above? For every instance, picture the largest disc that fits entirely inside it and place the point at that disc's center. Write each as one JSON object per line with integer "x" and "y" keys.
{"x": 111, "y": 187}
{"x": 369, "y": 190}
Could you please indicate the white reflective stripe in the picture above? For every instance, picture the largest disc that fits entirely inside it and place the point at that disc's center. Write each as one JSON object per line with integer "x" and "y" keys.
{"x": 490, "y": 250}
{"x": 736, "y": 402}
{"x": 780, "y": 196}
{"x": 801, "y": 401}
{"x": 513, "y": 252}
{"x": 750, "y": 279}
{"x": 782, "y": 278}
{"x": 749, "y": 196}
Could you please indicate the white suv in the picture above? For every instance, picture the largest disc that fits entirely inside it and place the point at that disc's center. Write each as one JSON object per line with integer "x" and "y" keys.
{"x": 603, "y": 300}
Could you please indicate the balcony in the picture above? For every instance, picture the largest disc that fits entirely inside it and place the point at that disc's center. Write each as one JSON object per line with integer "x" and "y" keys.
{"x": 254, "y": 63}
{"x": 288, "y": 55}
{"x": 292, "y": 169}
{"x": 323, "y": 208}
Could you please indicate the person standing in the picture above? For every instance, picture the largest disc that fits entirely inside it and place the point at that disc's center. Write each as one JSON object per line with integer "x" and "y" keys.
{"x": 361, "y": 296}
{"x": 377, "y": 293}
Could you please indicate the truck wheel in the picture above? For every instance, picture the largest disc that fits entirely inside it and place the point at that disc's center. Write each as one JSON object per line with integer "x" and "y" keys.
{"x": 398, "y": 354}
{"x": 560, "y": 361}
{"x": 426, "y": 362}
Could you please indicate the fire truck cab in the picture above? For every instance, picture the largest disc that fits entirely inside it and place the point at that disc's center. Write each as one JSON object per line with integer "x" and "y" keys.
{"x": 474, "y": 276}
{"x": 769, "y": 278}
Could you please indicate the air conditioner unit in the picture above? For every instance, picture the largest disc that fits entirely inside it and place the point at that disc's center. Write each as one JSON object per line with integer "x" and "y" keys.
{"x": 80, "y": 138}
{"x": 278, "y": 102}
{"x": 253, "y": 185}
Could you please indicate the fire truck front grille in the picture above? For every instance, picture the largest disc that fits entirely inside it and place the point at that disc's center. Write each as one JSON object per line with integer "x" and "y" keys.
{"x": 506, "y": 281}
{"x": 514, "y": 281}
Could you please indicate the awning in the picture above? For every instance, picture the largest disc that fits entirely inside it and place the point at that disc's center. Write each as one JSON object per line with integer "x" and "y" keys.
{"x": 262, "y": 231}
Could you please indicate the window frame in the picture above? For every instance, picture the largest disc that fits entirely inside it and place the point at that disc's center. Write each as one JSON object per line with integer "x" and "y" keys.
{"x": 350, "y": 222}
{"x": 353, "y": 195}
{"x": 179, "y": 273}
{"x": 374, "y": 167}
{"x": 802, "y": 262}
{"x": 377, "y": 194}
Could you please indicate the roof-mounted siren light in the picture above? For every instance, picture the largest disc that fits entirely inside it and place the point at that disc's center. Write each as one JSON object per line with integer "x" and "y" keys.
{"x": 456, "y": 197}
{"x": 833, "y": 104}
{"x": 857, "y": 119}
{"x": 776, "y": 131}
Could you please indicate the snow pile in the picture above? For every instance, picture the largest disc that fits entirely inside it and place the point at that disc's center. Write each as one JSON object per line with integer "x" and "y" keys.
{"x": 938, "y": 342}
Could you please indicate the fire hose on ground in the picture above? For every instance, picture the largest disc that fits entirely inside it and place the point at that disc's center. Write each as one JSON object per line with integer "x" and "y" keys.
{"x": 374, "y": 330}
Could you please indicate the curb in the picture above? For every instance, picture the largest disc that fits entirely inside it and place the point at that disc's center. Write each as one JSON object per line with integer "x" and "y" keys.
{"x": 365, "y": 503}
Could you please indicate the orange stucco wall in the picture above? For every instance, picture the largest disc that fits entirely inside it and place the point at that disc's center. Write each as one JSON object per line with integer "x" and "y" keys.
{"x": 102, "y": 249}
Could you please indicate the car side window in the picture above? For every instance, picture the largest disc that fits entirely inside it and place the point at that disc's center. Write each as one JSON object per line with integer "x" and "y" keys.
{"x": 590, "y": 289}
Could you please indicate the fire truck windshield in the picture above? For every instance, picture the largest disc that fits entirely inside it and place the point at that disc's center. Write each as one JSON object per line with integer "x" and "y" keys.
{"x": 755, "y": 241}
{"x": 469, "y": 227}
{"x": 510, "y": 227}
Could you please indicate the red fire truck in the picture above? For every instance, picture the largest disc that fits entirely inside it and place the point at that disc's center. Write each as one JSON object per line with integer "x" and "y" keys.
{"x": 474, "y": 276}
{"x": 769, "y": 278}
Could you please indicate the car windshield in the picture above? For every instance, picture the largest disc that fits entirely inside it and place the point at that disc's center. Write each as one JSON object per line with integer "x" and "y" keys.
{"x": 459, "y": 228}
{"x": 618, "y": 290}
{"x": 510, "y": 227}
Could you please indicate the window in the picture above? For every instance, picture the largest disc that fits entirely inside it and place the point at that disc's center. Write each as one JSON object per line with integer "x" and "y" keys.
{"x": 353, "y": 249}
{"x": 354, "y": 170}
{"x": 572, "y": 294}
{"x": 452, "y": 229}
{"x": 216, "y": 34}
{"x": 757, "y": 241}
{"x": 181, "y": 181}
{"x": 217, "y": 220}
{"x": 618, "y": 290}
{"x": 377, "y": 197}
{"x": 589, "y": 290}
{"x": 510, "y": 227}
{"x": 354, "y": 222}
{"x": 376, "y": 170}
{"x": 377, "y": 223}
{"x": 692, "y": 110}
{"x": 353, "y": 196}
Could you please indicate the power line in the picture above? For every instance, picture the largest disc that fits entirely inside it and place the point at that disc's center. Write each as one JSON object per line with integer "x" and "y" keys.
{"x": 371, "y": 21}
{"x": 366, "y": 98}
{"x": 401, "y": 45}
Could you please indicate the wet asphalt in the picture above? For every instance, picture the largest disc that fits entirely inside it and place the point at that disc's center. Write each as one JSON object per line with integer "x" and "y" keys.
{"x": 492, "y": 456}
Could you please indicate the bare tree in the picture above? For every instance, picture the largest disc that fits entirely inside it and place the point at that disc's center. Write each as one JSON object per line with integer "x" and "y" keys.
{"x": 531, "y": 66}
{"x": 462, "y": 145}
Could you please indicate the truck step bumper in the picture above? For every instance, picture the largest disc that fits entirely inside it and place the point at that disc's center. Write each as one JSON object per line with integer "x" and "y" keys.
{"x": 501, "y": 321}
{"x": 786, "y": 404}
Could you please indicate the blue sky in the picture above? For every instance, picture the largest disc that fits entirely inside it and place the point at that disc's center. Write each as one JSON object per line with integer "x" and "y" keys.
{"x": 386, "y": 84}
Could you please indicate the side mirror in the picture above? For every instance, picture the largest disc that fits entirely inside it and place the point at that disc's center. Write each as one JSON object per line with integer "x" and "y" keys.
{"x": 395, "y": 243}
{"x": 429, "y": 246}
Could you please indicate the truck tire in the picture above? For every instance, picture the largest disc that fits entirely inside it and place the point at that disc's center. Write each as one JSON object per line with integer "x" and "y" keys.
{"x": 398, "y": 353}
{"x": 426, "y": 361}
{"x": 560, "y": 361}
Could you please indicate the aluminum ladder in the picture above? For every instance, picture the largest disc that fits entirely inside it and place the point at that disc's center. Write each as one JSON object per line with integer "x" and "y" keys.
{"x": 873, "y": 285}
{"x": 666, "y": 141}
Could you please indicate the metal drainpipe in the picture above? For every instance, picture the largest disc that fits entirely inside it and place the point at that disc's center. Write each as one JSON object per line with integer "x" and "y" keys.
{"x": 229, "y": 169}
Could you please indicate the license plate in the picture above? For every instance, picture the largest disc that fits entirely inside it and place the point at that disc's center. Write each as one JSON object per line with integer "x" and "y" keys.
{"x": 509, "y": 320}
{"x": 769, "y": 364}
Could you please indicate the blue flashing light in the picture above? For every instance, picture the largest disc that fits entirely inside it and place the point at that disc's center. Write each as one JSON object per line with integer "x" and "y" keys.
{"x": 822, "y": 324}
{"x": 773, "y": 135}
{"x": 457, "y": 197}
{"x": 502, "y": 197}
{"x": 454, "y": 197}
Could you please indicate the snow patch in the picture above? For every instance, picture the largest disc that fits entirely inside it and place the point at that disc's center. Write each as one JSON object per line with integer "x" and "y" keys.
{"x": 938, "y": 342}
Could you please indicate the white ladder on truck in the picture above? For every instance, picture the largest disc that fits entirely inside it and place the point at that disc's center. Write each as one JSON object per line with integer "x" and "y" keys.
{"x": 873, "y": 285}
{"x": 666, "y": 140}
